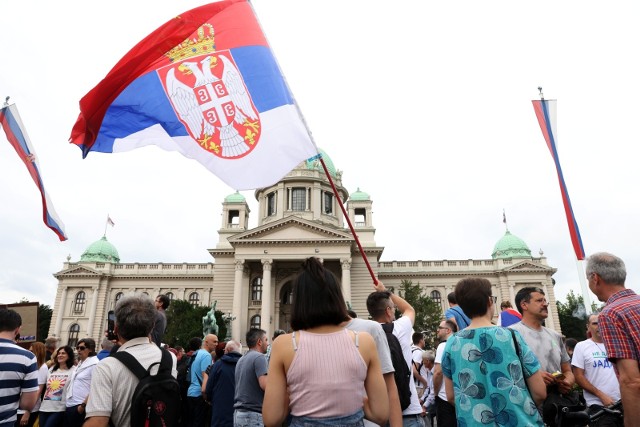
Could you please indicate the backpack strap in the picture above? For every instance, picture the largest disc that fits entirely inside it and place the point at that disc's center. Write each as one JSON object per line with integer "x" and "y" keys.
{"x": 128, "y": 360}
{"x": 131, "y": 363}
{"x": 388, "y": 327}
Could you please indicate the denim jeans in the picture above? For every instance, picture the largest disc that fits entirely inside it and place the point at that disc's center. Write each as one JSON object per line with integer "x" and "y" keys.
{"x": 354, "y": 420}
{"x": 247, "y": 418}
{"x": 412, "y": 421}
{"x": 51, "y": 419}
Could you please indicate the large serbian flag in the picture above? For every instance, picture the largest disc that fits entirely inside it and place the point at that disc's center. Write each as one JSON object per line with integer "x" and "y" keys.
{"x": 207, "y": 85}
{"x": 18, "y": 138}
{"x": 546, "y": 113}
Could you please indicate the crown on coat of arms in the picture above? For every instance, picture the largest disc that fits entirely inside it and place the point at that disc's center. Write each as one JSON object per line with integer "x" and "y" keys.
{"x": 204, "y": 43}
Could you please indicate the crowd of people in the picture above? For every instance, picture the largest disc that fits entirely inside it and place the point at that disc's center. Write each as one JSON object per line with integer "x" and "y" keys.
{"x": 335, "y": 369}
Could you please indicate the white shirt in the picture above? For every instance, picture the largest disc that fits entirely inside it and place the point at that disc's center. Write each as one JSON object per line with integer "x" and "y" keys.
{"x": 592, "y": 357}
{"x": 403, "y": 329}
{"x": 442, "y": 394}
{"x": 80, "y": 382}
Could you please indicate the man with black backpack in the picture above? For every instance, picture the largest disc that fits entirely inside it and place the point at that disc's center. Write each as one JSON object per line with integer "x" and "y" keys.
{"x": 137, "y": 385}
{"x": 381, "y": 306}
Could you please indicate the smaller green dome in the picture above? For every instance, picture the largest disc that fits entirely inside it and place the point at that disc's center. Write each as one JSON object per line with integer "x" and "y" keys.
{"x": 101, "y": 251}
{"x": 359, "y": 195}
{"x": 315, "y": 164}
{"x": 510, "y": 246}
{"x": 235, "y": 198}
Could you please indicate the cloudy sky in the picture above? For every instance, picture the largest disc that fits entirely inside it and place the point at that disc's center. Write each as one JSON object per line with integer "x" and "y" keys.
{"x": 424, "y": 105}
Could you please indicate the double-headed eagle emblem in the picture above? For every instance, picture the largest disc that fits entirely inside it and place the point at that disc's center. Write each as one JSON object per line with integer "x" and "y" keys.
{"x": 217, "y": 111}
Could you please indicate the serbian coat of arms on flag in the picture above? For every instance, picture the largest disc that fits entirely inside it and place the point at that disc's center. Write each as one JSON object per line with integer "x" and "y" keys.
{"x": 212, "y": 101}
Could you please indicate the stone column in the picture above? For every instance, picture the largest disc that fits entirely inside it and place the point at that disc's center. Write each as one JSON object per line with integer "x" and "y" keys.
{"x": 237, "y": 300}
{"x": 346, "y": 278}
{"x": 94, "y": 307}
{"x": 61, "y": 309}
{"x": 267, "y": 300}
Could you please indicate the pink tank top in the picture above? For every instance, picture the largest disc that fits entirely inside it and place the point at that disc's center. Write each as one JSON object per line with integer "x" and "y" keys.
{"x": 326, "y": 376}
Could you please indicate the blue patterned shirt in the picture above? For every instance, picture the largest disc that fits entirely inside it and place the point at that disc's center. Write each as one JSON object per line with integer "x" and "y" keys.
{"x": 489, "y": 378}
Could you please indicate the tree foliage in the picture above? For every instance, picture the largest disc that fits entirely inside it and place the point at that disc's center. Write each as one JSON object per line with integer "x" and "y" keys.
{"x": 44, "y": 321}
{"x": 573, "y": 316}
{"x": 185, "y": 322}
{"x": 428, "y": 312}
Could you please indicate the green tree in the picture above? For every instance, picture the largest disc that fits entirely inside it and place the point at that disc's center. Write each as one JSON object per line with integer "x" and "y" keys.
{"x": 428, "y": 312}
{"x": 573, "y": 316}
{"x": 184, "y": 322}
{"x": 44, "y": 321}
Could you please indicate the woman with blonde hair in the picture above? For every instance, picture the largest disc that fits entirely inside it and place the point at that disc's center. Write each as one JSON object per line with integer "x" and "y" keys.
{"x": 28, "y": 418}
{"x": 323, "y": 374}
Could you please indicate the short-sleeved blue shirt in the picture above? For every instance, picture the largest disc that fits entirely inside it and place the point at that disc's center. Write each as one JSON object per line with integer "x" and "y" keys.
{"x": 489, "y": 378}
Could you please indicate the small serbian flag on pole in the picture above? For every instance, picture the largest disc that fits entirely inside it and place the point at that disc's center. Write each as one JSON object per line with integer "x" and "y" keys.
{"x": 207, "y": 85}
{"x": 18, "y": 138}
{"x": 546, "y": 114}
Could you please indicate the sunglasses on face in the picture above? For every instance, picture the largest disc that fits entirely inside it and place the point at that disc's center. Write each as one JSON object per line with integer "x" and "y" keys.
{"x": 81, "y": 348}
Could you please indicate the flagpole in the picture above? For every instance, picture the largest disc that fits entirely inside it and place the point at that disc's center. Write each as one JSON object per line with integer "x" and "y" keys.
{"x": 319, "y": 156}
{"x": 346, "y": 217}
{"x": 576, "y": 240}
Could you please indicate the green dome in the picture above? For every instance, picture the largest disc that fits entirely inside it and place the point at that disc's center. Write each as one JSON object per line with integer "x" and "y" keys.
{"x": 101, "y": 251}
{"x": 510, "y": 246}
{"x": 315, "y": 164}
{"x": 235, "y": 198}
{"x": 359, "y": 195}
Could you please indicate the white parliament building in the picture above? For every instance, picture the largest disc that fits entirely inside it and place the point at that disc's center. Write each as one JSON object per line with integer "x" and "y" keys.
{"x": 251, "y": 271}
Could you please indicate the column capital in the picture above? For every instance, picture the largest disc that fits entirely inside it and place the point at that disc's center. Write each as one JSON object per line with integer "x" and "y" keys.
{"x": 239, "y": 264}
{"x": 346, "y": 263}
{"x": 267, "y": 264}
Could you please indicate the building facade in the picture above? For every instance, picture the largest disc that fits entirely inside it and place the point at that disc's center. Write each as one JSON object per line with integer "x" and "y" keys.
{"x": 252, "y": 270}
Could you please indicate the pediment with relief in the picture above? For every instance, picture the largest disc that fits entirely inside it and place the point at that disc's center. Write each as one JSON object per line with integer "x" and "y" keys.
{"x": 291, "y": 229}
{"x": 528, "y": 266}
{"x": 78, "y": 271}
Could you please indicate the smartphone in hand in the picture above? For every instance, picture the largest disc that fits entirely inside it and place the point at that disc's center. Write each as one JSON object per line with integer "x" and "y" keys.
{"x": 111, "y": 325}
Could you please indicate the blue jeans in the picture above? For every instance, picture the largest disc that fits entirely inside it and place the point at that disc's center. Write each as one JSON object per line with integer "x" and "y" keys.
{"x": 247, "y": 418}
{"x": 354, "y": 420}
{"x": 51, "y": 419}
{"x": 412, "y": 421}
{"x": 72, "y": 418}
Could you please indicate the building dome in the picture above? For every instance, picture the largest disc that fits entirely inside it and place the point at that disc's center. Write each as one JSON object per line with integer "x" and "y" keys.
{"x": 359, "y": 196}
{"x": 101, "y": 251}
{"x": 510, "y": 246}
{"x": 315, "y": 164}
{"x": 235, "y": 198}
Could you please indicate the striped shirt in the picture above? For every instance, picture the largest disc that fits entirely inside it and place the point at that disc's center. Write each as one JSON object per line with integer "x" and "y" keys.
{"x": 18, "y": 373}
{"x": 619, "y": 324}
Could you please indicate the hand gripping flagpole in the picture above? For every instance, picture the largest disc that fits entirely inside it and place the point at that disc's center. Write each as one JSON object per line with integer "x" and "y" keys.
{"x": 319, "y": 157}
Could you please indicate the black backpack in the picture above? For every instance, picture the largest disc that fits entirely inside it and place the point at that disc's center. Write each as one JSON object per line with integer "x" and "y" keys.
{"x": 156, "y": 399}
{"x": 402, "y": 373}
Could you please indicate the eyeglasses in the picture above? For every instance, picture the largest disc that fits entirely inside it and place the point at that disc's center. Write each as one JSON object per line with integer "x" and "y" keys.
{"x": 81, "y": 348}
{"x": 443, "y": 327}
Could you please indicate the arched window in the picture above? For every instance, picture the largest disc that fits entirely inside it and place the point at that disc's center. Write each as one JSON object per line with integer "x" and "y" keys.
{"x": 74, "y": 330}
{"x": 286, "y": 294}
{"x": 256, "y": 289}
{"x": 255, "y": 321}
{"x": 436, "y": 297}
{"x": 194, "y": 299}
{"x": 78, "y": 305}
{"x": 117, "y": 298}
{"x": 169, "y": 295}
